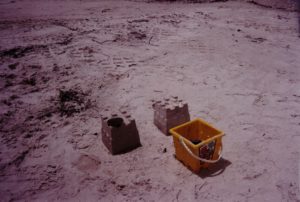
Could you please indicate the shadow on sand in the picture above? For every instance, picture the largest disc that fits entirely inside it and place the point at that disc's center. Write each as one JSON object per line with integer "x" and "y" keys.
{"x": 215, "y": 169}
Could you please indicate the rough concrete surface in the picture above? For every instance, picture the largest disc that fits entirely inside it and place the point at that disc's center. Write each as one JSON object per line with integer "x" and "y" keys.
{"x": 64, "y": 62}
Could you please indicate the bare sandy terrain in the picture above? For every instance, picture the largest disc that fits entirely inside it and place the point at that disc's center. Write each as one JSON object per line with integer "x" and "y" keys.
{"x": 291, "y": 5}
{"x": 64, "y": 62}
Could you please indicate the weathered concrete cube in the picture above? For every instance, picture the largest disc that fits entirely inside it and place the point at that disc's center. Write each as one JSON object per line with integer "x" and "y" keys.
{"x": 169, "y": 113}
{"x": 119, "y": 133}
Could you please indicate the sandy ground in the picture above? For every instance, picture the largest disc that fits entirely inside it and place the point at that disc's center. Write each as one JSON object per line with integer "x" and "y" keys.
{"x": 291, "y": 5}
{"x": 65, "y": 62}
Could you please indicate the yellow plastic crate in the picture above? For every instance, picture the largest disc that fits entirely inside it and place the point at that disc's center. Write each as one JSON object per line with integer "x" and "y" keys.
{"x": 197, "y": 144}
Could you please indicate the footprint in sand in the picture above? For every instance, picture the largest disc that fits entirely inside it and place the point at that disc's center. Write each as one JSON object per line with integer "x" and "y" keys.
{"x": 87, "y": 163}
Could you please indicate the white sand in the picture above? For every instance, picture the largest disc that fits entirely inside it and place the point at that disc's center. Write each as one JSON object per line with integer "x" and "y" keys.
{"x": 236, "y": 64}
